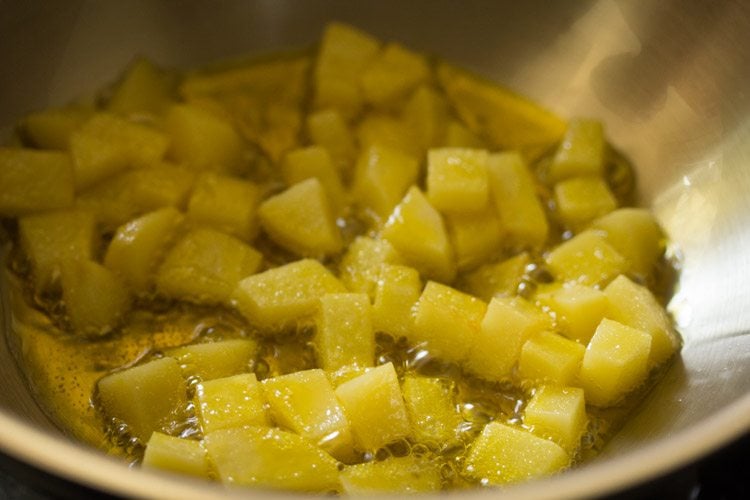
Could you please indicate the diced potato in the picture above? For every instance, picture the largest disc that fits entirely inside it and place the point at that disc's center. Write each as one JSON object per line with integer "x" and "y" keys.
{"x": 398, "y": 290}
{"x": 578, "y": 310}
{"x": 205, "y": 266}
{"x": 301, "y": 220}
{"x": 458, "y": 136}
{"x": 279, "y": 297}
{"x": 315, "y": 161}
{"x": 344, "y": 334}
{"x": 508, "y": 121}
{"x": 327, "y": 128}
{"x": 343, "y": 56}
{"x": 579, "y": 200}
{"x": 514, "y": 194}
{"x": 636, "y": 235}
{"x": 147, "y": 397}
{"x": 173, "y": 454}
{"x": 359, "y": 269}
{"x": 446, "y": 322}
{"x": 417, "y": 232}
{"x": 558, "y": 413}
{"x": 507, "y": 324}
{"x": 382, "y": 176}
{"x": 475, "y": 237}
{"x": 230, "y": 402}
{"x": 270, "y": 458}
{"x": 375, "y": 407}
{"x": 138, "y": 247}
{"x": 581, "y": 151}
{"x": 211, "y": 360}
{"x": 377, "y": 129}
{"x": 132, "y": 193}
{"x": 95, "y": 298}
{"x": 432, "y": 411}
{"x": 426, "y": 116}
{"x": 401, "y": 475}
{"x": 52, "y": 238}
{"x": 634, "y": 305}
{"x": 457, "y": 179}
{"x": 225, "y": 203}
{"x": 52, "y": 128}
{"x": 107, "y": 144}
{"x": 392, "y": 74}
{"x": 202, "y": 140}
{"x": 305, "y": 403}
{"x": 551, "y": 358}
{"x": 33, "y": 181}
{"x": 503, "y": 454}
{"x": 615, "y": 363}
{"x": 144, "y": 89}
{"x": 586, "y": 259}
{"x": 500, "y": 278}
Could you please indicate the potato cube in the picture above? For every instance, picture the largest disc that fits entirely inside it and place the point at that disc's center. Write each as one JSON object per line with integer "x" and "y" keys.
{"x": 305, "y": 403}
{"x": 212, "y": 360}
{"x": 615, "y": 362}
{"x": 398, "y": 475}
{"x": 173, "y": 454}
{"x": 508, "y": 323}
{"x": 205, "y": 266}
{"x": 343, "y": 56}
{"x": 51, "y": 128}
{"x": 95, "y": 298}
{"x": 549, "y": 357}
{"x": 581, "y": 151}
{"x": 587, "y": 259}
{"x": 397, "y": 292}
{"x": 359, "y": 268}
{"x": 33, "y": 181}
{"x": 301, "y": 220}
{"x": 557, "y": 413}
{"x": 270, "y": 458}
{"x": 148, "y": 397}
{"x": 377, "y": 129}
{"x": 579, "y": 200}
{"x": 458, "y": 136}
{"x": 498, "y": 279}
{"x": 202, "y": 140}
{"x": 578, "y": 310}
{"x": 138, "y": 247}
{"x": 417, "y": 232}
{"x": 381, "y": 177}
{"x": 144, "y": 89}
{"x": 513, "y": 191}
{"x": 234, "y": 401}
{"x": 52, "y": 238}
{"x": 432, "y": 412}
{"x": 225, "y": 203}
{"x": 426, "y": 116}
{"x": 375, "y": 407}
{"x": 634, "y": 305}
{"x": 446, "y": 322}
{"x": 344, "y": 334}
{"x": 327, "y": 128}
{"x": 475, "y": 237}
{"x": 503, "y": 454}
{"x": 393, "y": 74}
{"x": 279, "y": 297}
{"x": 457, "y": 179}
{"x": 636, "y": 235}
{"x": 107, "y": 144}
{"x": 315, "y": 161}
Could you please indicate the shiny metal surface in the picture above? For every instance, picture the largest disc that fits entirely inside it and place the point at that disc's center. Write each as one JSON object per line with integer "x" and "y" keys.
{"x": 669, "y": 79}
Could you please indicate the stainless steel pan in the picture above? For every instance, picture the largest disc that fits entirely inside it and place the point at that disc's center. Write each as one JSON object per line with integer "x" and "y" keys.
{"x": 670, "y": 79}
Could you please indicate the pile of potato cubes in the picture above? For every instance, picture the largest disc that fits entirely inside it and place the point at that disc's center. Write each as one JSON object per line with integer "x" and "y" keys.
{"x": 160, "y": 193}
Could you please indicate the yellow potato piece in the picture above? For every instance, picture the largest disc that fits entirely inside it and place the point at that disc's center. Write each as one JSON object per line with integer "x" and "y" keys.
{"x": 558, "y": 413}
{"x": 211, "y": 360}
{"x": 344, "y": 335}
{"x": 174, "y": 454}
{"x": 34, "y": 181}
{"x": 401, "y": 475}
{"x": 231, "y": 402}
